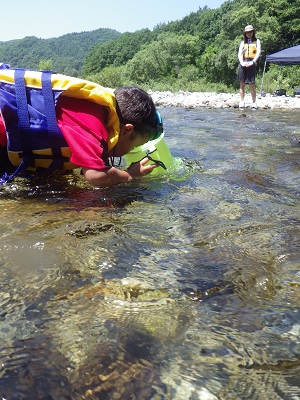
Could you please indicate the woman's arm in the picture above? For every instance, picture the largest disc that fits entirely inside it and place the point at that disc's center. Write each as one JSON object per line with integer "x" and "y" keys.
{"x": 258, "y": 51}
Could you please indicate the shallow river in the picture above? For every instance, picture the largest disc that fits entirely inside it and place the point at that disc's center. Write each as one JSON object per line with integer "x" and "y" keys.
{"x": 183, "y": 286}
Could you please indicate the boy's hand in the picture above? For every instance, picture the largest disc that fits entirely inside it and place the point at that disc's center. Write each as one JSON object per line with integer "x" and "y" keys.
{"x": 140, "y": 168}
{"x": 112, "y": 176}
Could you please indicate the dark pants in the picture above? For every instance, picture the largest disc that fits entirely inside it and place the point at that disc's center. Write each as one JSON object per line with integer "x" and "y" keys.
{"x": 246, "y": 74}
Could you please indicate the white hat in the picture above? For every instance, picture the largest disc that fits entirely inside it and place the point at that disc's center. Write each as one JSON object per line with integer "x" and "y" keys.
{"x": 249, "y": 28}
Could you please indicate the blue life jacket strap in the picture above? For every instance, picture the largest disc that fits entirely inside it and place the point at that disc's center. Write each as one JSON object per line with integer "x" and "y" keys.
{"x": 8, "y": 178}
{"x": 24, "y": 122}
{"x": 53, "y": 129}
{"x": 23, "y": 116}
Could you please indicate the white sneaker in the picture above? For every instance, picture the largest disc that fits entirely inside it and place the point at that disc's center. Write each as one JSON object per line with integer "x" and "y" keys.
{"x": 242, "y": 104}
{"x": 254, "y": 105}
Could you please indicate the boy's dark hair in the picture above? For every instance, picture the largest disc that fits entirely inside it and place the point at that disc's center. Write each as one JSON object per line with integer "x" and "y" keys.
{"x": 135, "y": 106}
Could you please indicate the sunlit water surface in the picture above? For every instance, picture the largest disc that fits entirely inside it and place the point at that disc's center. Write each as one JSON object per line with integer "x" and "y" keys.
{"x": 183, "y": 286}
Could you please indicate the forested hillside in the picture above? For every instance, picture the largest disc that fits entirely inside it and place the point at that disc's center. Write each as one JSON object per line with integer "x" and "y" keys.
{"x": 65, "y": 54}
{"x": 198, "y": 52}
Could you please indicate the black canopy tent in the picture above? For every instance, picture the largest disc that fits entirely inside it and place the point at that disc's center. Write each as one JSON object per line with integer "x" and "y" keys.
{"x": 289, "y": 56}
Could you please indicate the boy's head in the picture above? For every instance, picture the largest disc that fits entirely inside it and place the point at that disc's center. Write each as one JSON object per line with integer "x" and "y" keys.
{"x": 135, "y": 106}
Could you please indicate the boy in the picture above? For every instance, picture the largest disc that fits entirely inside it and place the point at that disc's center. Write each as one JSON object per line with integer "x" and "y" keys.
{"x": 87, "y": 127}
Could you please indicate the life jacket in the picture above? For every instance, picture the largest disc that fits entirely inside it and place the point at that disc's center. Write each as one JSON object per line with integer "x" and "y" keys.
{"x": 249, "y": 50}
{"x": 27, "y": 103}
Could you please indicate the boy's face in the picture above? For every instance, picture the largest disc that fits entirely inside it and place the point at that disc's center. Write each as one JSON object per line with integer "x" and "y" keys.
{"x": 128, "y": 140}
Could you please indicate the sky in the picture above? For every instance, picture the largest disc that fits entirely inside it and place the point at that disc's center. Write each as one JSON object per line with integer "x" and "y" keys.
{"x": 47, "y": 19}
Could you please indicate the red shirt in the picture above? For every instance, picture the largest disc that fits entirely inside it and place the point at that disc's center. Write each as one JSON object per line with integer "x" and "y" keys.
{"x": 83, "y": 125}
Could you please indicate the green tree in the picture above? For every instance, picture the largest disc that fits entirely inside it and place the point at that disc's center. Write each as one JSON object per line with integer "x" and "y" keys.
{"x": 166, "y": 56}
{"x": 110, "y": 77}
{"x": 118, "y": 52}
{"x": 46, "y": 65}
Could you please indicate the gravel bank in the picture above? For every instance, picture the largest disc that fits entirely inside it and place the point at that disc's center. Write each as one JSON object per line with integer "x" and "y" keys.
{"x": 222, "y": 100}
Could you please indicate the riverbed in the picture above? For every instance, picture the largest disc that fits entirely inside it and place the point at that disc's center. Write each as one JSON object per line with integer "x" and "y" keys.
{"x": 184, "y": 285}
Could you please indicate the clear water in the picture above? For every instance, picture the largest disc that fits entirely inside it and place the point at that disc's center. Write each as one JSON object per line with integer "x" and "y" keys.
{"x": 185, "y": 286}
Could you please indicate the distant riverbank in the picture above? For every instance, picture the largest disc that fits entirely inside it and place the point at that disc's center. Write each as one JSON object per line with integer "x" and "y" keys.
{"x": 222, "y": 100}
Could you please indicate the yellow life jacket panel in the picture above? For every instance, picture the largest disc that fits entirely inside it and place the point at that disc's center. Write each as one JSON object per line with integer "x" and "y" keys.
{"x": 250, "y": 50}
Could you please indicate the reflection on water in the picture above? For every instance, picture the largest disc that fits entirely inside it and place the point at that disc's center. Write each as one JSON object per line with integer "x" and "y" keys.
{"x": 171, "y": 287}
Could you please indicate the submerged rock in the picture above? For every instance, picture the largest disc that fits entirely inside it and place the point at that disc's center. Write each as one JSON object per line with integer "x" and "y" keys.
{"x": 295, "y": 142}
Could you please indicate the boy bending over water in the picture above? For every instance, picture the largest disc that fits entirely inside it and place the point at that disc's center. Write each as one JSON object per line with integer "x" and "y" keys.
{"x": 94, "y": 132}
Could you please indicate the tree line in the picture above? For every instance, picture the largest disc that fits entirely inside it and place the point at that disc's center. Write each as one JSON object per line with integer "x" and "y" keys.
{"x": 65, "y": 54}
{"x": 198, "y": 52}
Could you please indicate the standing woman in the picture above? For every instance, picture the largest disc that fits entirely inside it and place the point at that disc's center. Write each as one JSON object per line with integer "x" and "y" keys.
{"x": 249, "y": 52}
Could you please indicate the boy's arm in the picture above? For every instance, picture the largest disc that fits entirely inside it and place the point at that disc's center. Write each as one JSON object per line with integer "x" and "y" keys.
{"x": 113, "y": 176}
